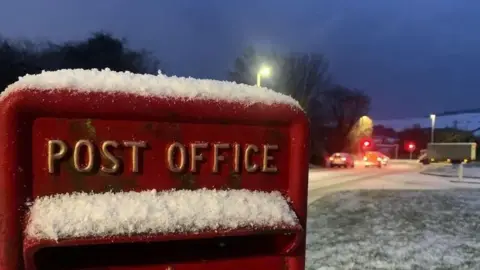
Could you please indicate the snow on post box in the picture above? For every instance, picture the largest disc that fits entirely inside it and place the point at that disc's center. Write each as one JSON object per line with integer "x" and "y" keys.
{"x": 114, "y": 170}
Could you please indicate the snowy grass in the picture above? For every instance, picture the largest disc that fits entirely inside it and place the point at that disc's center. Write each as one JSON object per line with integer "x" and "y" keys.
{"x": 393, "y": 229}
{"x": 150, "y": 212}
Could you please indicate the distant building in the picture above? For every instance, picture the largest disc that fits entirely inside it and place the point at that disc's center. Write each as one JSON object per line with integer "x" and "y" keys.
{"x": 380, "y": 139}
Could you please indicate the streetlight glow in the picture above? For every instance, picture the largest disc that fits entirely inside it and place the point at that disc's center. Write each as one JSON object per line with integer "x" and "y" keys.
{"x": 264, "y": 71}
{"x": 366, "y": 118}
{"x": 432, "y": 117}
{"x": 362, "y": 129}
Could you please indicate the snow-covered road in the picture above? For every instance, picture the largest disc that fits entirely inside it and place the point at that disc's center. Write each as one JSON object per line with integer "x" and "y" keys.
{"x": 393, "y": 218}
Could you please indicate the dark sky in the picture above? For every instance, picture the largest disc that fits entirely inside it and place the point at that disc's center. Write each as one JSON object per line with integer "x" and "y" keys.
{"x": 412, "y": 57}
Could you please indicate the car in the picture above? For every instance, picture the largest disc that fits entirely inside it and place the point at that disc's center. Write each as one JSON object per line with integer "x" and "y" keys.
{"x": 385, "y": 159}
{"x": 375, "y": 159}
{"x": 339, "y": 159}
{"x": 423, "y": 157}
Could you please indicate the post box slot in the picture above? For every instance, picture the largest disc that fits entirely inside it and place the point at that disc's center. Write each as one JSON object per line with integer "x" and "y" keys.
{"x": 158, "y": 253}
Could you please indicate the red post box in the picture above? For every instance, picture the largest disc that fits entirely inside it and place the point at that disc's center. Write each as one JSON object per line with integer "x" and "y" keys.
{"x": 107, "y": 170}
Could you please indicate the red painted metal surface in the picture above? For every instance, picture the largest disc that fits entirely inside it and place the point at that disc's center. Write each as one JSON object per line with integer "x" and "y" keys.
{"x": 29, "y": 118}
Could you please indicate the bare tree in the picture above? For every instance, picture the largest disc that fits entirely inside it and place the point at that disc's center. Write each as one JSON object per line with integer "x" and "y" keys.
{"x": 343, "y": 107}
{"x": 301, "y": 76}
{"x": 304, "y": 77}
{"x": 333, "y": 110}
{"x": 246, "y": 66}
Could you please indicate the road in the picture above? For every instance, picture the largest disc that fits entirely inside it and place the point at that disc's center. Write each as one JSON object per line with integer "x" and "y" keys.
{"x": 323, "y": 181}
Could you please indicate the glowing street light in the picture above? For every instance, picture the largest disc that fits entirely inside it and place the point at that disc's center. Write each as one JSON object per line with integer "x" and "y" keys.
{"x": 432, "y": 117}
{"x": 263, "y": 72}
{"x": 366, "y": 125}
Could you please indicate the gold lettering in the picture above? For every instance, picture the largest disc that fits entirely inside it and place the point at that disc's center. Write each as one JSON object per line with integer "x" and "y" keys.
{"x": 109, "y": 155}
{"x": 171, "y": 157}
{"x": 90, "y": 156}
{"x": 177, "y": 156}
{"x": 194, "y": 147}
{"x": 216, "y": 156}
{"x": 249, "y": 167}
{"x": 135, "y": 149}
{"x": 266, "y": 158}
{"x": 52, "y": 155}
{"x": 236, "y": 157}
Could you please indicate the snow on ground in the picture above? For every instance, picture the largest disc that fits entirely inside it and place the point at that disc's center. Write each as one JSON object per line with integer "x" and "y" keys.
{"x": 395, "y": 221}
{"x": 372, "y": 179}
{"x": 395, "y": 229}
{"x": 411, "y": 180}
{"x": 325, "y": 179}
{"x": 470, "y": 170}
{"x": 323, "y": 183}
{"x": 406, "y": 165}
{"x": 151, "y": 212}
{"x": 148, "y": 85}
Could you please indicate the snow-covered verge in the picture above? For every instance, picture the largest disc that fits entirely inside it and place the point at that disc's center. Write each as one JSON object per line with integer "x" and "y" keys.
{"x": 471, "y": 170}
{"x": 412, "y": 180}
{"x": 151, "y": 212}
{"x": 395, "y": 229}
{"x": 108, "y": 81}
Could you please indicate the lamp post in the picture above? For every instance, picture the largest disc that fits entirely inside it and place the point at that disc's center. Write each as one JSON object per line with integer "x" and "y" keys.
{"x": 263, "y": 71}
{"x": 432, "y": 117}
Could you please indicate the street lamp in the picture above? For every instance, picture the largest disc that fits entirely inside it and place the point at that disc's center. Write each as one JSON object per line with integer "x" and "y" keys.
{"x": 432, "y": 117}
{"x": 265, "y": 72}
{"x": 363, "y": 128}
{"x": 365, "y": 122}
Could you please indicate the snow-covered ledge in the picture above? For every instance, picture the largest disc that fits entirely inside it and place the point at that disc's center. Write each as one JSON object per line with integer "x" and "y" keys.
{"x": 159, "y": 86}
{"x": 64, "y": 216}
